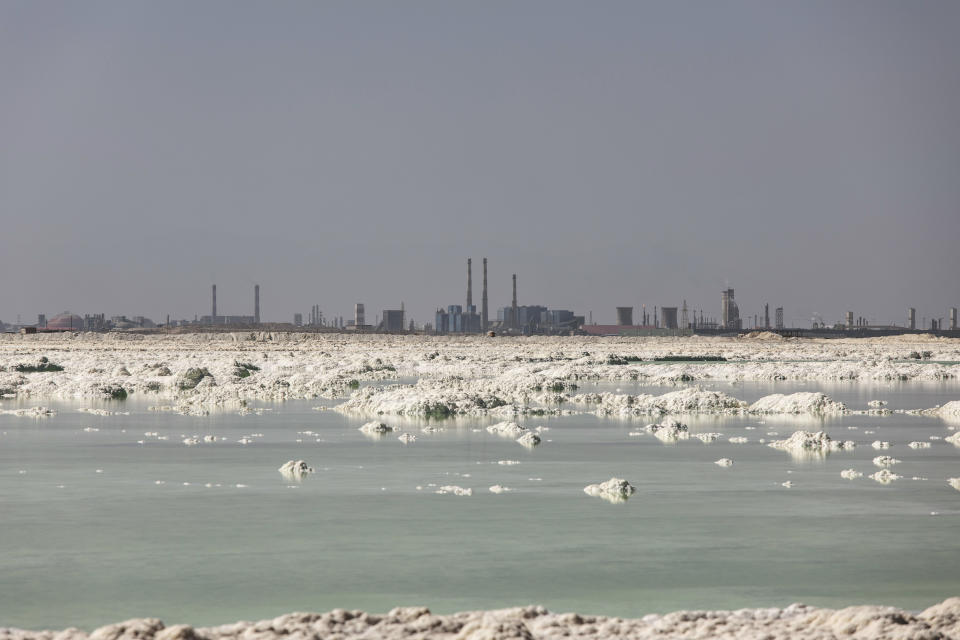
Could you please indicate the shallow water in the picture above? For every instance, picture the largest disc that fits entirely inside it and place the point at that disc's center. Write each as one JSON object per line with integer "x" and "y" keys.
{"x": 84, "y": 548}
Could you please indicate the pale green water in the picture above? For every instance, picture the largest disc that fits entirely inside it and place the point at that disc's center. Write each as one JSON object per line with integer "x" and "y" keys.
{"x": 358, "y": 534}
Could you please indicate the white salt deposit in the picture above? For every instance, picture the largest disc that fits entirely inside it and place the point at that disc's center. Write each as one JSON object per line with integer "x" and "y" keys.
{"x": 885, "y": 461}
{"x": 885, "y": 476}
{"x": 454, "y": 490}
{"x": 788, "y": 484}
{"x": 738, "y": 440}
{"x": 707, "y": 438}
{"x": 669, "y": 432}
{"x": 500, "y": 489}
{"x": 805, "y": 444}
{"x": 529, "y": 440}
{"x": 954, "y": 482}
{"x": 406, "y": 438}
{"x": 506, "y": 429}
{"x": 953, "y": 439}
{"x": 375, "y": 428}
{"x": 850, "y": 474}
{"x": 508, "y": 462}
{"x": 876, "y": 404}
{"x": 797, "y": 403}
{"x": 796, "y": 622}
{"x": 32, "y": 412}
{"x": 613, "y": 490}
{"x": 880, "y": 444}
{"x": 724, "y": 462}
{"x": 294, "y": 470}
{"x": 919, "y": 445}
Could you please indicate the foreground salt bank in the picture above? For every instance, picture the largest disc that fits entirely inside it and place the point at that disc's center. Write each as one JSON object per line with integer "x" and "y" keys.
{"x": 940, "y": 622}
{"x": 441, "y": 376}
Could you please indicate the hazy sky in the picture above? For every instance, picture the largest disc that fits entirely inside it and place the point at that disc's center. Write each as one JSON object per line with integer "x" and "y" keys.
{"x": 609, "y": 153}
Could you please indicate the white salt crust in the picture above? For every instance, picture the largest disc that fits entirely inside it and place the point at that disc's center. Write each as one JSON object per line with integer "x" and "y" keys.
{"x": 797, "y": 621}
{"x": 613, "y": 490}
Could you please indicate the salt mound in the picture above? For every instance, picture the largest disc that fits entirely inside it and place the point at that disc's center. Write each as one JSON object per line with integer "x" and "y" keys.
{"x": 406, "y": 438}
{"x": 669, "y": 432}
{"x": 950, "y": 409}
{"x": 954, "y": 482}
{"x": 375, "y": 428}
{"x": 954, "y": 439}
{"x": 613, "y": 490}
{"x": 529, "y": 439}
{"x": 500, "y": 489}
{"x": 506, "y": 429}
{"x": 919, "y": 445}
{"x": 688, "y": 400}
{"x": 32, "y": 412}
{"x": 885, "y": 461}
{"x": 724, "y": 462}
{"x": 804, "y": 444}
{"x": 294, "y": 470}
{"x": 880, "y": 444}
{"x": 707, "y": 438}
{"x": 885, "y": 476}
{"x": 850, "y": 474}
{"x": 796, "y": 622}
{"x": 454, "y": 490}
{"x": 876, "y": 404}
{"x": 763, "y": 335}
{"x": 796, "y": 403}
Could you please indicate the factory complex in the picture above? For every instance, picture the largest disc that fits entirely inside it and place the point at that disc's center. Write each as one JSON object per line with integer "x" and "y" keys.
{"x": 514, "y": 319}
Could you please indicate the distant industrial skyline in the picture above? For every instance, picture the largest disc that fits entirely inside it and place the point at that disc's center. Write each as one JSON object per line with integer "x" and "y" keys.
{"x": 802, "y": 153}
{"x": 724, "y": 313}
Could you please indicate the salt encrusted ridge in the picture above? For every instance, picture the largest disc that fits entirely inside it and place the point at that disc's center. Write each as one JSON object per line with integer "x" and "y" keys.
{"x": 795, "y": 622}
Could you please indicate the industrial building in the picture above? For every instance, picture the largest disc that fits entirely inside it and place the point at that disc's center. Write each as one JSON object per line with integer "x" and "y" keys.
{"x": 459, "y": 319}
{"x": 215, "y": 319}
{"x": 668, "y": 317}
{"x": 526, "y": 319}
{"x": 393, "y": 319}
{"x": 359, "y": 322}
{"x": 455, "y": 320}
{"x": 729, "y": 311}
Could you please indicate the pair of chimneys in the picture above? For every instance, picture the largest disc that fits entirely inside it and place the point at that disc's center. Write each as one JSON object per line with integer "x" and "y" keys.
{"x": 484, "y": 304}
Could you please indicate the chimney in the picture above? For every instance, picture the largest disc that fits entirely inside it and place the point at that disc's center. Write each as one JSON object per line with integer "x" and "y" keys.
{"x": 213, "y": 318}
{"x": 256, "y": 304}
{"x": 483, "y": 302}
{"x": 515, "y": 321}
{"x": 469, "y": 284}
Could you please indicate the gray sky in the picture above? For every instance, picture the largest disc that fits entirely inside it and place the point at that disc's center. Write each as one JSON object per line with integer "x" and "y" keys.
{"x": 610, "y": 153}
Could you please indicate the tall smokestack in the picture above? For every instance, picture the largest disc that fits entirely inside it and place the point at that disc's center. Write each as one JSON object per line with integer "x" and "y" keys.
{"x": 483, "y": 302}
{"x": 513, "y": 314}
{"x": 213, "y": 318}
{"x": 469, "y": 284}
{"x": 256, "y": 304}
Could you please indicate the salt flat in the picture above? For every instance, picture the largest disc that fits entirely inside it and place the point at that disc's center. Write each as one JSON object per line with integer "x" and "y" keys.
{"x": 147, "y": 479}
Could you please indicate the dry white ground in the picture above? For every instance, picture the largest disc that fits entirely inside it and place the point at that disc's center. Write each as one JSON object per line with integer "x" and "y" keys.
{"x": 195, "y": 373}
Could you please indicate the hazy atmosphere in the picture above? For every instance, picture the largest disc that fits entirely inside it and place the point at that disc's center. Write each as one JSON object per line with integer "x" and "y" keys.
{"x": 614, "y": 154}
